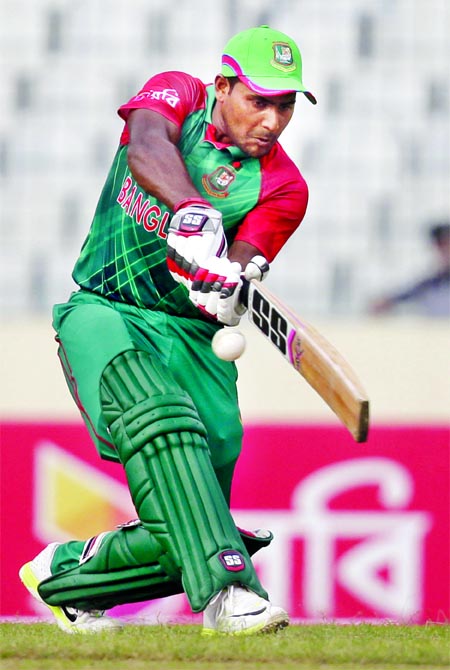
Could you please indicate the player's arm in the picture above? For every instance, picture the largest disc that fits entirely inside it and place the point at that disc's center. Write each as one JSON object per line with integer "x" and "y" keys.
{"x": 242, "y": 253}
{"x": 196, "y": 231}
{"x": 154, "y": 159}
{"x": 196, "y": 242}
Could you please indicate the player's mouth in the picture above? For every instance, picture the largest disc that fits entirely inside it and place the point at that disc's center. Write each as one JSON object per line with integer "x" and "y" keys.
{"x": 263, "y": 144}
{"x": 264, "y": 141}
{"x": 257, "y": 146}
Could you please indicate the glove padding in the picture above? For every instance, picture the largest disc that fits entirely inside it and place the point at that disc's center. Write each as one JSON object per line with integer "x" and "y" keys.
{"x": 195, "y": 234}
{"x": 257, "y": 268}
{"x": 214, "y": 276}
{"x": 217, "y": 284}
{"x": 230, "y": 309}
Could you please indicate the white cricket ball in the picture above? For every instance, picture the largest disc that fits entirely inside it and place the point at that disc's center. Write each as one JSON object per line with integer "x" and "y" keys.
{"x": 228, "y": 344}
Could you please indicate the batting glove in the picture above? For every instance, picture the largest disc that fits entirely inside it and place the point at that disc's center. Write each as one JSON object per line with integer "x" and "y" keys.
{"x": 214, "y": 276}
{"x": 230, "y": 308}
{"x": 195, "y": 234}
{"x": 257, "y": 268}
{"x": 217, "y": 284}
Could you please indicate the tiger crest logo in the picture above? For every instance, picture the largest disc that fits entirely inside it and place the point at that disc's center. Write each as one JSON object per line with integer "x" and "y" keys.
{"x": 283, "y": 58}
{"x": 218, "y": 182}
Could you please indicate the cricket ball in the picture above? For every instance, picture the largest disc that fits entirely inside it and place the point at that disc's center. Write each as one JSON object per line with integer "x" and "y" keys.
{"x": 228, "y": 344}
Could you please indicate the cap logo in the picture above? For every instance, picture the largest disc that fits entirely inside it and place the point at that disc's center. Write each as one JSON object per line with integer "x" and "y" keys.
{"x": 282, "y": 57}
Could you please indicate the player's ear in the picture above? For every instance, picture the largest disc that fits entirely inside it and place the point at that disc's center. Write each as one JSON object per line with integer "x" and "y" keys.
{"x": 222, "y": 86}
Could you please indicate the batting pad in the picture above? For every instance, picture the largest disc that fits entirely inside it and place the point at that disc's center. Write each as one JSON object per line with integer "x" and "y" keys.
{"x": 119, "y": 567}
{"x": 162, "y": 445}
{"x": 116, "y": 567}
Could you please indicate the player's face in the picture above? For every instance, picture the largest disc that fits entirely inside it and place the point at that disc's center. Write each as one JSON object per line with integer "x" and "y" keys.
{"x": 248, "y": 120}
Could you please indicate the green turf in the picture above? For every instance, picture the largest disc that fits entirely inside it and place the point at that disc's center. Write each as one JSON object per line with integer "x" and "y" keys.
{"x": 318, "y": 647}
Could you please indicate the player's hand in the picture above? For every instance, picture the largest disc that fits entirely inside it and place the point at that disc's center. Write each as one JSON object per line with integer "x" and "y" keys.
{"x": 257, "y": 268}
{"x": 212, "y": 277}
{"x": 217, "y": 285}
{"x": 230, "y": 309}
{"x": 195, "y": 234}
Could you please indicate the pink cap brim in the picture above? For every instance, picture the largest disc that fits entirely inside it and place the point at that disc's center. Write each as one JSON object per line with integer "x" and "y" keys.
{"x": 234, "y": 65}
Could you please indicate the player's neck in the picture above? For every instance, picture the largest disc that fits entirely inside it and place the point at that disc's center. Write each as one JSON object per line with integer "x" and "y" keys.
{"x": 217, "y": 121}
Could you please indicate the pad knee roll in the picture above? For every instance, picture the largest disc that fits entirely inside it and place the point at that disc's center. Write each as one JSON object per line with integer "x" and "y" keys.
{"x": 139, "y": 396}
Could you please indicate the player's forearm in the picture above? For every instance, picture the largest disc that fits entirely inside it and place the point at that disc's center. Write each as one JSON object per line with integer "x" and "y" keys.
{"x": 242, "y": 252}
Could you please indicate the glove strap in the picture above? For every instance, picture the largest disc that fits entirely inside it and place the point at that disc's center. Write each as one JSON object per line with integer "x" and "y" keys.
{"x": 187, "y": 202}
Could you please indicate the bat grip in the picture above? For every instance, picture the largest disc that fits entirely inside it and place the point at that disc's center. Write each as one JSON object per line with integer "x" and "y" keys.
{"x": 243, "y": 293}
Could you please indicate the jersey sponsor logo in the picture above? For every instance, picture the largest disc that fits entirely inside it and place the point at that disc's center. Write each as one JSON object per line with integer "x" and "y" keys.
{"x": 217, "y": 183}
{"x": 232, "y": 560}
{"x": 169, "y": 95}
{"x": 141, "y": 210}
{"x": 282, "y": 57}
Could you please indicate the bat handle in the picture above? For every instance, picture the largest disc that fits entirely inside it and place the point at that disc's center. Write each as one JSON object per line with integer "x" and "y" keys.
{"x": 243, "y": 294}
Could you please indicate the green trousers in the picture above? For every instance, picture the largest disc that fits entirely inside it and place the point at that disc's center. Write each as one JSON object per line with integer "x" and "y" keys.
{"x": 92, "y": 331}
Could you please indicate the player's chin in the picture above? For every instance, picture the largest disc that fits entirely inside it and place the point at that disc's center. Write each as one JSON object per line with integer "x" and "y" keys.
{"x": 258, "y": 148}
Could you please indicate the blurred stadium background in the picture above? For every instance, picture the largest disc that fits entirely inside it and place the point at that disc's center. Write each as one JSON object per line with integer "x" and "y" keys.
{"x": 375, "y": 152}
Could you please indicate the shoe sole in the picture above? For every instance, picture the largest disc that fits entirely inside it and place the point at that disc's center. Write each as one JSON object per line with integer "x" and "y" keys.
{"x": 273, "y": 626}
{"x": 31, "y": 582}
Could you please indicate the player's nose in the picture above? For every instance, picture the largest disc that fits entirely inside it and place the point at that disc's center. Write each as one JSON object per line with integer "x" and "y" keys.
{"x": 271, "y": 120}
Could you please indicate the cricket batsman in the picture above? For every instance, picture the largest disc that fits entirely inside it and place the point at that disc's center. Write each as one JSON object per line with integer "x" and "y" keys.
{"x": 199, "y": 197}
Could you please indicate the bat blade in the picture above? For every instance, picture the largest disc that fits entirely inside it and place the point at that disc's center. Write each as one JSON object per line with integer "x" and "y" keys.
{"x": 316, "y": 359}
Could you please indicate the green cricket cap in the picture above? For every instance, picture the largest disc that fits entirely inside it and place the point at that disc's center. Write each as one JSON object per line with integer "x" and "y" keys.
{"x": 267, "y": 61}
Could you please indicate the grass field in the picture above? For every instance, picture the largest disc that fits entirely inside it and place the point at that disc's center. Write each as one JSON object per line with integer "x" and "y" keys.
{"x": 317, "y": 647}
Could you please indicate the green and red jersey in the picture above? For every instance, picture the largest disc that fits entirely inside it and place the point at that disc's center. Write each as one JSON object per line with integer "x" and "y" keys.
{"x": 262, "y": 200}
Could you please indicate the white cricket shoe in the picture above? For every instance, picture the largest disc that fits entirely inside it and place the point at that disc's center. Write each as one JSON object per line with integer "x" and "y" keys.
{"x": 69, "y": 619}
{"x": 238, "y": 611}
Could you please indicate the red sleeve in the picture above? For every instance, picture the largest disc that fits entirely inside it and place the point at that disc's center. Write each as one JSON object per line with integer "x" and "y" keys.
{"x": 281, "y": 206}
{"x": 175, "y": 95}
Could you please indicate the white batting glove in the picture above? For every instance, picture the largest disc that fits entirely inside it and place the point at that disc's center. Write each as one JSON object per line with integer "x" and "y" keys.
{"x": 257, "y": 268}
{"x": 230, "y": 309}
{"x": 214, "y": 276}
{"x": 195, "y": 234}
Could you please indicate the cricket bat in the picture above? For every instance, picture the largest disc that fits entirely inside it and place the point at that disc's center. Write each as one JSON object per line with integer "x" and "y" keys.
{"x": 319, "y": 363}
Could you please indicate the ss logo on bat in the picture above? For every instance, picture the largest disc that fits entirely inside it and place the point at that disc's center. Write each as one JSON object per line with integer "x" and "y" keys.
{"x": 269, "y": 321}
